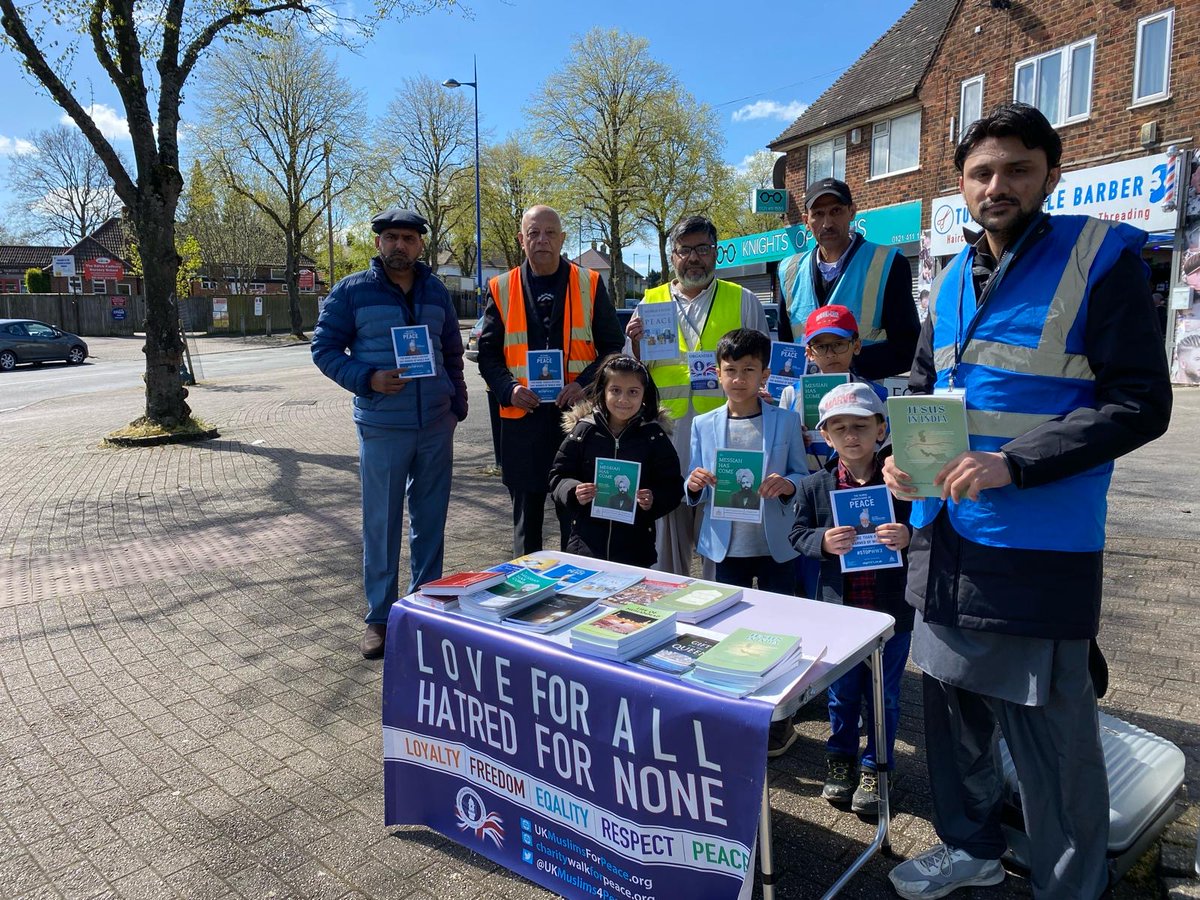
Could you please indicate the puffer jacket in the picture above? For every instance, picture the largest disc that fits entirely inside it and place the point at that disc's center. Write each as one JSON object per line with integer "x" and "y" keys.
{"x": 648, "y": 443}
{"x": 353, "y": 340}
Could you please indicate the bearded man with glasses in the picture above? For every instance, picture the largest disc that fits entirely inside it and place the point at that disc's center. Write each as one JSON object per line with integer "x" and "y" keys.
{"x": 706, "y": 308}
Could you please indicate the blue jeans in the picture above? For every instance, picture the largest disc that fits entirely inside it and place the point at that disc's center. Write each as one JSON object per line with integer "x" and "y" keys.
{"x": 850, "y": 697}
{"x": 398, "y": 464}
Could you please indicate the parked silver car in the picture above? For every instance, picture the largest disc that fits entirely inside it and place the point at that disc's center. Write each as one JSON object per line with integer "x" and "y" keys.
{"x": 30, "y": 341}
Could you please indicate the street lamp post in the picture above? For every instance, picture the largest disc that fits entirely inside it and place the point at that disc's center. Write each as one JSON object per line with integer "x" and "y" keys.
{"x": 474, "y": 85}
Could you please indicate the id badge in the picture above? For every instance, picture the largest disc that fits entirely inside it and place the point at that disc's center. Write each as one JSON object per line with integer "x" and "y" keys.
{"x": 702, "y": 370}
{"x": 955, "y": 391}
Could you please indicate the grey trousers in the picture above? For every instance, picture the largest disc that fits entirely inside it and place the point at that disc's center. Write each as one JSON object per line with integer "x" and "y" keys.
{"x": 1060, "y": 768}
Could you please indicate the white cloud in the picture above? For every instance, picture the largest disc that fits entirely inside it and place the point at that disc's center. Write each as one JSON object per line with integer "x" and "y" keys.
{"x": 15, "y": 146}
{"x": 752, "y": 159}
{"x": 769, "y": 109}
{"x": 112, "y": 124}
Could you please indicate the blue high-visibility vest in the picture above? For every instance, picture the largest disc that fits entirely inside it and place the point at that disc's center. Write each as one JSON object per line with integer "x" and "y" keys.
{"x": 1022, "y": 362}
{"x": 860, "y": 288}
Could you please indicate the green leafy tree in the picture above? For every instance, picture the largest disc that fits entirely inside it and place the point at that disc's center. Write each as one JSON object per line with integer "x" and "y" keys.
{"x": 600, "y": 119}
{"x": 150, "y": 51}
{"x": 731, "y": 204}
{"x": 37, "y": 281}
{"x": 512, "y": 179}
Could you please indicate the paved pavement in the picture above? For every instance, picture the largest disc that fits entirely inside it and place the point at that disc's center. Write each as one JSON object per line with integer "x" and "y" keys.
{"x": 184, "y": 713}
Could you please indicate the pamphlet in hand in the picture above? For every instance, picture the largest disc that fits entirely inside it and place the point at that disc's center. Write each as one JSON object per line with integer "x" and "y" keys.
{"x": 545, "y": 373}
{"x": 812, "y": 389}
{"x": 414, "y": 354}
{"x": 616, "y": 487}
{"x": 660, "y": 331}
{"x": 624, "y": 632}
{"x": 601, "y": 585}
{"x": 746, "y": 660}
{"x": 699, "y": 600}
{"x": 865, "y": 508}
{"x": 787, "y": 365}
{"x": 702, "y": 370}
{"x": 678, "y": 655}
{"x": 927, "y": 432}
{"x": 739, "y": 476}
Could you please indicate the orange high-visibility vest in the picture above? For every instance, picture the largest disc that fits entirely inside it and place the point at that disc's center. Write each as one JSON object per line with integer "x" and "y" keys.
{"x": 578, "y": 349}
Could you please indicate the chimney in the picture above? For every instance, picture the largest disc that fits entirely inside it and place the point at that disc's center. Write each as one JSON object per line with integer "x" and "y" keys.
{"x": 593, "y": 245}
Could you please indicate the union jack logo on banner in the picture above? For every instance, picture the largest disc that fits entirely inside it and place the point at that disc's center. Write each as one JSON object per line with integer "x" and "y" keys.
{"x": 473, "y": 816}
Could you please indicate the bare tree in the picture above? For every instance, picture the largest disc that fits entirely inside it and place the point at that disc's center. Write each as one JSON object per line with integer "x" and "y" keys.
{"x": 149, "y": 51}
{"x": 272, "y": 110}
{"x": 62, "y": 189}
{"x": 599, "y": 117}
{"x": 430, "y": 152}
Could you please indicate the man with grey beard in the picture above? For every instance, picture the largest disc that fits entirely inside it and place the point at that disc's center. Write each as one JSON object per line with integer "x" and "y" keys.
{"x": 706, "y": 308}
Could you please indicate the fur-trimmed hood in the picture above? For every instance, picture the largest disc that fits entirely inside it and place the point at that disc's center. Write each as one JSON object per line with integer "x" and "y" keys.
{"x": 584, "y": 411}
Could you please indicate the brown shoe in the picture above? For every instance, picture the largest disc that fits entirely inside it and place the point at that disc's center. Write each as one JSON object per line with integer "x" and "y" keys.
{"x": 372, "y": 641}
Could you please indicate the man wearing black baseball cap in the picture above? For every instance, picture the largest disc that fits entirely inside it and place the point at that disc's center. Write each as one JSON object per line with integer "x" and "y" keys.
{"x": 872, "y": 281}
{"x": 405, "y": 425}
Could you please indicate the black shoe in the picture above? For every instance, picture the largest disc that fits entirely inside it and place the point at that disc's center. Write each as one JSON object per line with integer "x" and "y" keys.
{"x": 866, "y": 796}
{"x": 372, "y": 641}
{"x": 781, "y": 736}
{"x": 840, "y": 782}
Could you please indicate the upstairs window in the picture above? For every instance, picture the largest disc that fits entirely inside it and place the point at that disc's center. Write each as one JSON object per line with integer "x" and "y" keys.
{"x": 827, "y": 160}
{"x": 970, "y": 103}
{"x": 896, "y": 144}
{"x": 1152, "y": 64}
{"x": 1059, "y": 83}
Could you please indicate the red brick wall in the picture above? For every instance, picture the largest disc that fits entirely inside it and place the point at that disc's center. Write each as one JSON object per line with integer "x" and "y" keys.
{"x": 1031, "y": 27}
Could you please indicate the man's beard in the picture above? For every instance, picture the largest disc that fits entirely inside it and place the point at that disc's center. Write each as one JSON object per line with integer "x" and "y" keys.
{"x": 694, "y": 278}
{"x": 1017, "y": 226}
{"x": 398, "y": 262}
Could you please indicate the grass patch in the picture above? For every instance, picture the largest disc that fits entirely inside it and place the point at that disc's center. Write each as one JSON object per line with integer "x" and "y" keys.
{"x": 147, "y": 433}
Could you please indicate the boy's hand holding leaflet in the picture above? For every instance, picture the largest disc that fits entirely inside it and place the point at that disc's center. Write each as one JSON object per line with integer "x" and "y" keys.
{"x": 775, "y": 485}
{"x": 839, "y": 540}
{"x": 700, "y": 479}
{"x": 645, "y": 498}
{"x": 585, "y": 492}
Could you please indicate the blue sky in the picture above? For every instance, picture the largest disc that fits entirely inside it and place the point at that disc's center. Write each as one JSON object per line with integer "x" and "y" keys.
{"x": 750, "y": 62}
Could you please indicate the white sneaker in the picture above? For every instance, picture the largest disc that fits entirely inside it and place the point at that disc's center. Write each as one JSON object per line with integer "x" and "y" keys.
{"x": 941, "y": 871}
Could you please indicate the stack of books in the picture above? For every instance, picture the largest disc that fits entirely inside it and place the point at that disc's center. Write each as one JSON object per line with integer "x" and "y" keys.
{"x": 514, "y": 593}
{"x": 600, "y": 585}
{"x": 745, "y": 660}
{"x": 443, "y": 593}
{"x": 552, "y": 613}
{"x": 698, "y": 600}
{"x": 646, "y": 592}
{"x": 623, "y": 633}
{"x": 677, "y": 656}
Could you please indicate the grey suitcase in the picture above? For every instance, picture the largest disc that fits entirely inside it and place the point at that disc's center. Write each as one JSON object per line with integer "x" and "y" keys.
{"x": 1145, "y": 773}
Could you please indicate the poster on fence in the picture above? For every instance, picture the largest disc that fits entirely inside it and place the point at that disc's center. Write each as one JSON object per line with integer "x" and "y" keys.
{"x": 592, "y": 779}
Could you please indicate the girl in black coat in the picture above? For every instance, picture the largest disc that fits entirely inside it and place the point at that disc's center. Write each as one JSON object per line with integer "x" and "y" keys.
{"x": 619, "y": 419}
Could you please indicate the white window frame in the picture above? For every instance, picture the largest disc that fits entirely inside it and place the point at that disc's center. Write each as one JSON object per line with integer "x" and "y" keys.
{"x": 1169, "y": 15}
{"x": 278, "y": 273}
{"x": 836, "y": 144}
{"x": 964, "y": 120}
{"x": 75, "y": 284}
{"x": 884, "y": 127}
{"x": 207, "y": 284}
{"x": 256, "y": 287}
{"x": 124, "y": 289}
{"x": 99, "y": 286}
{"x": 1066, "y": 55}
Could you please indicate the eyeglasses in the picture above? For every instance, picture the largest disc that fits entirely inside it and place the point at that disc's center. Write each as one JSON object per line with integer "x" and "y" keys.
{"x": 835, "y": 348}
{"x": 700, "y": 250}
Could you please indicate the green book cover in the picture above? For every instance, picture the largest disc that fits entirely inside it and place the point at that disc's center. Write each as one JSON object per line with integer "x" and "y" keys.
{"x": 747, "y": 652}
{"x": 619, "y": 623}
{"x": 927, "y": 432}
{"x": 696, "y": 596}
{"x": 616, "y": 489}
{"x": 812, "y": 389}
{"x": 521, "y": 583}
{"x": 739, "y": 476}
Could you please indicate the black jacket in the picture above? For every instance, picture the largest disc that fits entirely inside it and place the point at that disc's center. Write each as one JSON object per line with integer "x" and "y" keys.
{"x": 528, "y": 444}
{"x": 1048, "y": 593}
{"x": 898, "y": 318}
{"x": 814, "y": 516}
{"x": 644, "y": 442}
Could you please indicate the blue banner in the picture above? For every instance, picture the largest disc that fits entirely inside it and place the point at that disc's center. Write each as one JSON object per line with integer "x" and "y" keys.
{"x": 589, "y": 778}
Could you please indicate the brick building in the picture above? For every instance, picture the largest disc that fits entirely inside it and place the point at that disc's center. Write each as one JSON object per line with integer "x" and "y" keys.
{"x": 1120, "y": 79}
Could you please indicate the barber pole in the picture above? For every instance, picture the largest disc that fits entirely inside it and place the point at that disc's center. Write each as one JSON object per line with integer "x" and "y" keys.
{"x": 1173, "y": 158}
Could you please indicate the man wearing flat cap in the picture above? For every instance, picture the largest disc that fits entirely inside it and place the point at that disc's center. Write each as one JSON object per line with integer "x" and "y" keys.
{"x": 405, "y": 425}
{"x": 872, "y": 281}
{"x": 547, "y": 303}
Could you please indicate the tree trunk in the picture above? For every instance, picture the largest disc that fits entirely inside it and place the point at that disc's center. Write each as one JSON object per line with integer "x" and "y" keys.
{"x": 154, "y": 224}
{"x": 617, "y": 276}
{"x": 662, "y": 258}
{"x": 292, "y": 274}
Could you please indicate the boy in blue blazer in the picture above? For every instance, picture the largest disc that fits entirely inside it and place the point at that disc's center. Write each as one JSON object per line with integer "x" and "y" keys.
{"x": 745, "y": 550}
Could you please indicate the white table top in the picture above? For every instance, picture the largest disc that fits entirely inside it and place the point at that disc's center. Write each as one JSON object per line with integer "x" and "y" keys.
{"x": 847, "y": 634}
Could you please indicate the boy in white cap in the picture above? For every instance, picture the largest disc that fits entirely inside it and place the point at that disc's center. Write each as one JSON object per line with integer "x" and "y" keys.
{"x": 854, "y": 423}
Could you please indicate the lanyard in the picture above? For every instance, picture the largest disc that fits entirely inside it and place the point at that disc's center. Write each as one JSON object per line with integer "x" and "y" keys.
{"x": 681, "y": 309}
{"x": 1006, "y": 257}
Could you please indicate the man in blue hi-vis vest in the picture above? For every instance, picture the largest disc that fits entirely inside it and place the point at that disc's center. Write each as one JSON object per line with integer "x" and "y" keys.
{"x": 1044, "y": 324}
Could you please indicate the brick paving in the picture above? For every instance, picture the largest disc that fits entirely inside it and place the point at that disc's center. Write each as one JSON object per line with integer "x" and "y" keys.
{"x": 184, "y": 713}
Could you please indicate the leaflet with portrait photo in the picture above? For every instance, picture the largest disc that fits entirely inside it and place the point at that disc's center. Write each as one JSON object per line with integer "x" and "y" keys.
{"x": 616, "y": 490}
{"x": 660, "y": 331}
{"x": 739, "y": 476}
{"x": 545, "y": 373}
{"x": 787, "y": 365}
{"x": 414, "y": 353}
{"x": 865, "y": 509}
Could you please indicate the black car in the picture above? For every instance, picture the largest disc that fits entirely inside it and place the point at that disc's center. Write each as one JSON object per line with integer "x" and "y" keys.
{"x": 30, "y": 341}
